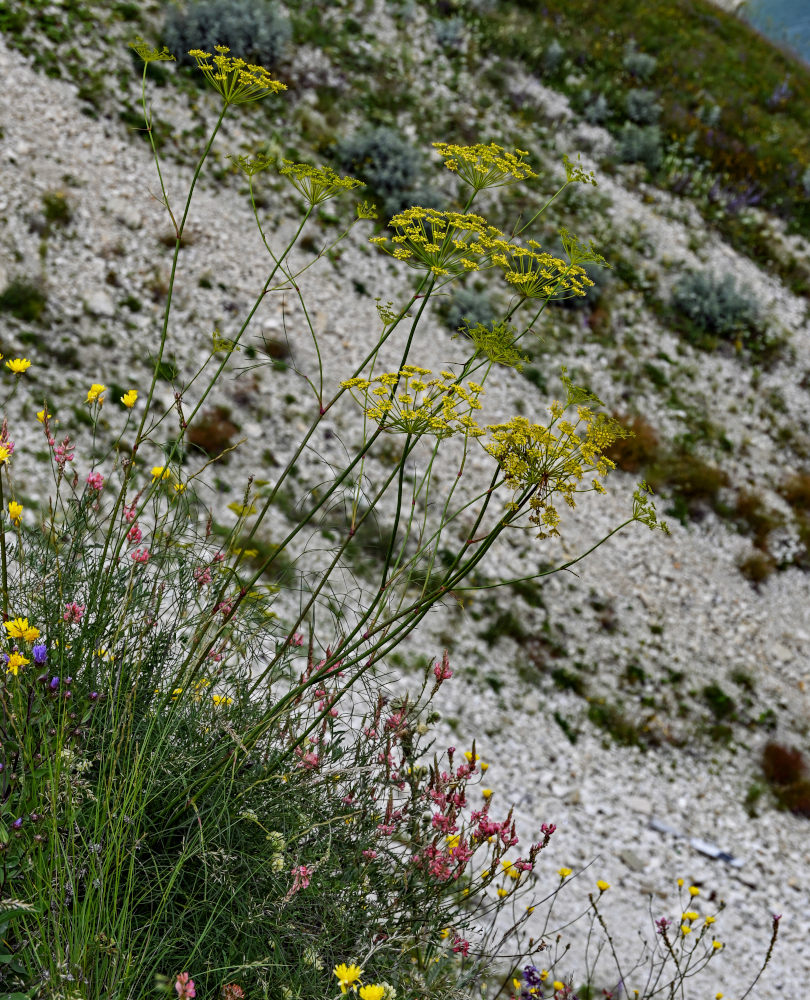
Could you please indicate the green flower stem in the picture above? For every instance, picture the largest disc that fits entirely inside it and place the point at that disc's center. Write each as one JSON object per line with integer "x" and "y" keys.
{"x": 3, "y": 557}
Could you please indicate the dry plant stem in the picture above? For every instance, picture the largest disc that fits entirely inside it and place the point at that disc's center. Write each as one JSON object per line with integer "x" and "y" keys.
{"x": 771, "y": 945}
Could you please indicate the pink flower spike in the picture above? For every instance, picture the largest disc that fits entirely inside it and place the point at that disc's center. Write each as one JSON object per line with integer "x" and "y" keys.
{"x": 442, "y": 670}
{"x": 134, "y": 535}
{"x": 184, "y": 986}
{"x": 95, "y": 481}
{"x": 73, "y": 613}
{"x": 141, "y": 555}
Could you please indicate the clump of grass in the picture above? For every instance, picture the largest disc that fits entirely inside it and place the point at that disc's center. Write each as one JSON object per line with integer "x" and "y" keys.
{"x": 23, "y": 299}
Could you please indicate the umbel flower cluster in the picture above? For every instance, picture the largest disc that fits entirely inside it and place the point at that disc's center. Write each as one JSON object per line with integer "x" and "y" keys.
{"x": 408, "y": 402}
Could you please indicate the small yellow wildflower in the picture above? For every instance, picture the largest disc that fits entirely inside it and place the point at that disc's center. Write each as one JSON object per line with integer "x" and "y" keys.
{"x": 694, "y": 891}
{"x": 453, "y": 840}
{"x": 160, "y": 472}
{"x": 717, "y": 945}
{"x": 317, "y": 184}
{"x": 483, "y": 166}
{"x": 15, "y": 512}
{"x": 690, "y": 915}
{"x": 468, "y": 753}
{"x": 530, "y": 909}
{"x": 237, "y": 81}
{"x": 221, "y": 699}
{"x": 710, "y": 920}
{"x": 484, "y": 766}
{"x": 347, "y": 976}
{"x": 372, "y": 992}
{"x": 602, "y": 886}
{"x": 503, "y": 892}
{"x": 179, "y": 487}
{"x": 685, "y": 929}
{"x": 5, "y": 454}
{"x": 177, "y": 692}
{"x": 680, "y": 883}
{"x": 563, "y": 872}
{"x": 43, "y": 415}
{"x": 15, "y": 661}
{"x": 558, "y": 985}
{"x": 444, "y": 933}
{"x": 95, "y": 393}
{"x": 718, "y": 996}
{"x": 149, "y": 54}
{"x": 129, "y": 398}
{"x": 18, "y": 365}
{"x": 19, "y": 628}
{"x": 487, "y": 793}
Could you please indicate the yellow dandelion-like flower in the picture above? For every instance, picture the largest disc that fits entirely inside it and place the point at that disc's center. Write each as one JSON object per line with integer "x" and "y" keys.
{"x": 602, "y": 886}
{"x": 18, "y": 628}
{"x": 685, "y": 929}
{"x": 563, "y": 872}
{"x": 557, "y": 985}
{"x": 160, "y": 472}
{"x": 15, "y": 661}
{"x": 444, "y": 933}
{"x": 503, "y": 892}
{"x": 372, "y": 992}
{"x": 18, "y": 365}
{"x": 129, "y": 398}
{"x": 487, "y": 793}
{"x": 43, "y": 415}
{"x": 347, "y": 976}
{"x": 709, "y": 920}
{"x": 95, "y": 393}
{"x": 15, "y": 511}
{"x": 694, "y": 891}
{"x": 717, "y": 945}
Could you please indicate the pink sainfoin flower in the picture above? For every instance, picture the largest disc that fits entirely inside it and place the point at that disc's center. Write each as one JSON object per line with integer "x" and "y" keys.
{"x": 73, "y": 613}
{"x": 95, "y": 481}
{"x": 300, "y": 878}
{"x": 296, "y": 640}
{"x": 460, "y": 945}
{"x": 442, "y": 670}
{"x": 134, "y": 535}
{"x": 202, "y": 574}
{"x": 141, "y": 555}
{"x": 224, "y": 608}
{"x": 63, "y": 454}
{"x": 184, "y": 986}
{"x": 129, "y": 513}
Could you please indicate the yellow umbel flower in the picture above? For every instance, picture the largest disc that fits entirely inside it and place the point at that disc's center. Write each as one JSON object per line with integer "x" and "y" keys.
{"x": 483, "y": 166}
{"x": 148, "y": 54}
{"x": 407, "y": 402}
{"x": 539, "y": 275}
{"x": 316, "y": 184}
{"x": 347, "y": 976}
{"x": 15, "y": 512}
{"x": 237, "y": 81}
{"x": 18, "y": 365}
{"x": 444, "y": 243}
{"x": 95, "y": 394}
{"x": 555, "y": 458}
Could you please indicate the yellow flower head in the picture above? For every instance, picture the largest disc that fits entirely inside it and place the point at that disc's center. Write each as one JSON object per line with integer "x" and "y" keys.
{"x": 160, "y": 472}
{"x": 487, "y": 793}
{"x": 43, "y": 415}
{"x": 710, "y": 920}
{"x": 602, "y": 886}
{"x": 444, "y": 933}
{"x": 95, "y": 393}
{"x": 221, "y": 699}
{"x": 563, "y": 872}
{"x": 179, "y": 487}
{"x": 15, "y": 661}
{"x": 686, "y": 929}
{"x": 347, "y": 976}
{"x": 503, "y": 892}
{"x": 483, "y": 166}
{"x": 18, "y": 365}
{"x": 15, "y": 511}
{"x": 694, "y": 891}
{"x": 558, "y": 985}
{"x": 148, "y": 54}
{"x": 484, "y": 766}
{"x": 316, "y": 184}
{"x": 717, "y": 945}
{"x": 237, "y": 81}
{"x": 372, "y": 992}
{"x": 19, "y": 628}
{"x": 177, "y": 692}
{"x": 129, "y": 398}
